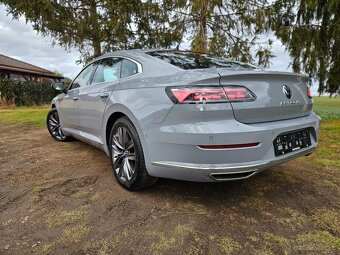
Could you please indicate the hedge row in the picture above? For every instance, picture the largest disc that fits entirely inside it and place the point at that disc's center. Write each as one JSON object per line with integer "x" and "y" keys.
{"x": 25, "y": 93}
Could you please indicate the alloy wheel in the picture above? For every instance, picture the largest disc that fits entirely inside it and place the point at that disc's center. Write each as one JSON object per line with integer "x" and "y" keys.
{"x": 54, "y": 126}
{"x": 123, "y": 154}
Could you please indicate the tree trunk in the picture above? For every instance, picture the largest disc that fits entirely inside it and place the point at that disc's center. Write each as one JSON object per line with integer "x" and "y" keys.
{"x": 200, "y": 43}
{"x": 97, "y": 51}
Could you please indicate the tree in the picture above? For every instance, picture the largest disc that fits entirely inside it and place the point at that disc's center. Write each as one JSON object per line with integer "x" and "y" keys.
{"x": 92, "y": 26}
{"x": 141, "y": 24}
{"x": 312, "y": 38}
{"x": 95, "y": 26}
{"x": 57, "y": 73}
{"x": 230, "y": 28}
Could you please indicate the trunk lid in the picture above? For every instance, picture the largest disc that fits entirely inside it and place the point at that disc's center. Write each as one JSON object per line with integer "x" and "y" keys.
{"x": 272, "y": 95}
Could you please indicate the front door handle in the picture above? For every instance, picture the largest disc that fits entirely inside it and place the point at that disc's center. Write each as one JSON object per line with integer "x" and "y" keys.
{"x": 75, "y": 98}
{"x": 104, "y": 95}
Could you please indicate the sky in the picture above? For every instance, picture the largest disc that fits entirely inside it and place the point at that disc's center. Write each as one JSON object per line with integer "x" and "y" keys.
{"x": 19, "y": 40}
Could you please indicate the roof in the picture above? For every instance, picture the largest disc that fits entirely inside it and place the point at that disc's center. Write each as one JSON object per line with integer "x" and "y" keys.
{"x": 126, "y": 53}
{"x": 11, "y": 64}
{"x": 136, "y": 54}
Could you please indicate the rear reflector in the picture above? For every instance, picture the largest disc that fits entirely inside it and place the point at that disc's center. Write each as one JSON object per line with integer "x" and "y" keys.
{"x": 228, "y": 146}
{"x": 209, "y": 94}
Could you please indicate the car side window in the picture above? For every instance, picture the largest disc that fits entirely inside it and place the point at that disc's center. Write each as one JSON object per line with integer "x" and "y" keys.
{"x": 128, "y": 68}
{"x": 107, "y": 70}
{"x": 83, "y": 78}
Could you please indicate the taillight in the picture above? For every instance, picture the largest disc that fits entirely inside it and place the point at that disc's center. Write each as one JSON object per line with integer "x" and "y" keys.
{"x": 309, "y": 94}
{"x": 211, "y": 94}
{"x": 238, "y": 93}
{"x": 197, "y": 94}
{"x": 309, "y": 84}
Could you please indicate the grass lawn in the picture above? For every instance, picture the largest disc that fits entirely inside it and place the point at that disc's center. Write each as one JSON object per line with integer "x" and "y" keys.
{"x": 327, "y": 108}
{"x": 35, "y": 115}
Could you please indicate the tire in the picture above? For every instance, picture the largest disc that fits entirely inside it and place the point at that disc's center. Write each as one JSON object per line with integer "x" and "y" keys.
{"x": 127, "y": 157}
{"x": 54, "y": 128}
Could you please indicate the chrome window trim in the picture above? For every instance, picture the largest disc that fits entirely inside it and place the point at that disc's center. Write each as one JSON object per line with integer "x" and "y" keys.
{"x": 139, "y": 67}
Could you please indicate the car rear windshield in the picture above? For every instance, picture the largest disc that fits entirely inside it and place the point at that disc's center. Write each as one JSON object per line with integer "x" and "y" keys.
{"x": 192, "y": 60}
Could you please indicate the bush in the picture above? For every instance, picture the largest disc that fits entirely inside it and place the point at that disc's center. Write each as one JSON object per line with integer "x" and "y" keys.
{"x": 25, "y": 93}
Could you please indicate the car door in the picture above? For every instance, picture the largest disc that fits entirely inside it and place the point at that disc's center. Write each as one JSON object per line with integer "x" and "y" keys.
{"x": 94, "y": 97}
{"x": 69, "y": 104}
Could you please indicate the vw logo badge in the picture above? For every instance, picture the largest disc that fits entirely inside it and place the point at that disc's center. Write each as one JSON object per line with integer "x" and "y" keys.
{"x": 286, "y": 90}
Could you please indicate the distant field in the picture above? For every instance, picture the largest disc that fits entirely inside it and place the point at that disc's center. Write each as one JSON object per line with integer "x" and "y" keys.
{"x": 327, "y": 108}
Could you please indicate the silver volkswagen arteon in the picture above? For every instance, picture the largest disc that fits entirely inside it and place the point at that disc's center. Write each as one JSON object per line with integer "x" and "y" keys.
{"x": 185, "y": 115}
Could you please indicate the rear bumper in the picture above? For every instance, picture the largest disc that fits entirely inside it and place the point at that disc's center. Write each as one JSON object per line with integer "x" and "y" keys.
{"x": 173, "y": 151}
{"x": 225, "y": 172}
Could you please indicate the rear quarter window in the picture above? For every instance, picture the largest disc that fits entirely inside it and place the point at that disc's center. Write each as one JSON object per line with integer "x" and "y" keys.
{"x": 129, "y": 68}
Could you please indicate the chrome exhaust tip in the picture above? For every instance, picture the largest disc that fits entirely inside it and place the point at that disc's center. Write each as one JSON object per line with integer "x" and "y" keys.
{"x": 232, "y": 176}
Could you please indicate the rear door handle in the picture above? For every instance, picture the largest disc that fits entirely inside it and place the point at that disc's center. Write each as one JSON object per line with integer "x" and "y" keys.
{"x": 75, "y": 98}
{"x": 104, "y": 95}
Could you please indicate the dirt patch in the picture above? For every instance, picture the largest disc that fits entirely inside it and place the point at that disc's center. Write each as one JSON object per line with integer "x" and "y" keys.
{"x": 61, "y": 198}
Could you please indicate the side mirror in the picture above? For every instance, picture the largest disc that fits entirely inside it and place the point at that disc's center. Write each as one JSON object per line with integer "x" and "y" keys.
{"x": 59, "y": 86}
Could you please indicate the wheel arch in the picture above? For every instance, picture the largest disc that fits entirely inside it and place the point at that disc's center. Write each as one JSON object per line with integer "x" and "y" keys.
{"x": 112, "y": 114}
{"x": 53, "y": 104}
{"x": 110, "y": 122}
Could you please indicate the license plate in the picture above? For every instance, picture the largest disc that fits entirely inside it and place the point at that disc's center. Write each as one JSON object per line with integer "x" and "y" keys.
{"x": 292, "y": 141}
